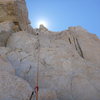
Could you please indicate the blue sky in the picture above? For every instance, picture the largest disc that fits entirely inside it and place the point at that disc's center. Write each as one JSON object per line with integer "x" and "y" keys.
{"x": 61, "y": 14}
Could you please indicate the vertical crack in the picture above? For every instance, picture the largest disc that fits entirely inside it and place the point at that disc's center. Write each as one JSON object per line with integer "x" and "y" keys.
{"x": 80, "y": 50}
{"x": 76, "y": 44}
{"x": 69, "y": 40}
{"x": 29, "y": 69}
{"x": 78, "y": 47}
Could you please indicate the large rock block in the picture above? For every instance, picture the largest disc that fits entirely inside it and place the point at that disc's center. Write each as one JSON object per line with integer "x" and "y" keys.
{"x": 6, "y": 29}
{"x": 13, "y": 88}
{"x": 23, "y": 40}
{"x": 14, "y": 11}
{"x": 24, "y": 64}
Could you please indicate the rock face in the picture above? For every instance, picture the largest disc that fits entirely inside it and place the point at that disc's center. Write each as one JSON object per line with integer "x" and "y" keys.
{"x": 6, "y": 66}
{"x": 15, "y": 11}
{"x": 13, "y": 16}
{"x": 13, "y": 88}
{"x": 24, "y": 41}
{"x": 68, "y": 61}
{"x": 5, "y": 32}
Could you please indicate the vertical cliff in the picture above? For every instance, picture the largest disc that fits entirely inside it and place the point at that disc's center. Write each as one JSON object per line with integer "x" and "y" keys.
{"x": 68, "y": 61}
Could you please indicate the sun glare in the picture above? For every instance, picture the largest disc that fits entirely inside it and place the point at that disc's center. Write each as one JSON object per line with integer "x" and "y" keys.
{"x": 42, "y": 22}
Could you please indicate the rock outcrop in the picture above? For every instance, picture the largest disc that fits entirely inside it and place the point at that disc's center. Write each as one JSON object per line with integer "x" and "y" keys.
{"x": 6, "y": 66}
{"x": 13, "y": 88}
{"x": 68, "y": 61}
{"x": 13, "y": 16}
{"x": 14, "y": 11}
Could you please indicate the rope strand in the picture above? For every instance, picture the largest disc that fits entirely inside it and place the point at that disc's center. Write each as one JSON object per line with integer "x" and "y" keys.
{"x": 37, "y": 85}
{"x": 36, "y": 89}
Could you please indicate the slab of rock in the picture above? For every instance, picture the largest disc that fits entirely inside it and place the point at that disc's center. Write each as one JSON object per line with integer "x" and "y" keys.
{"x": 83, "y": 89}
{"x": 23, "y": 40}
{"x": 68, "y": 61}
{"x": 4, "y": 51}
{"x": 13, "y": 88}
{"x": 24, "y": 64}
{"x": 60, "y": 60}
{"x": 46, "y": 94}
{"x": 89, "y": 44}
{"x": 5, "y": 65}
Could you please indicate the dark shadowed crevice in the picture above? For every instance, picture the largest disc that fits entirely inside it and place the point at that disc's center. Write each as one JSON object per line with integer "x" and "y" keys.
{"x": 81, "y": 52}
{"x": 78, "y": 47}
{"x": 69, "y": 40}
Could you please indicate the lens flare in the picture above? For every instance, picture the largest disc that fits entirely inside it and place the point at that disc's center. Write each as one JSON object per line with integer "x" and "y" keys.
{"x": 42, "y": 22}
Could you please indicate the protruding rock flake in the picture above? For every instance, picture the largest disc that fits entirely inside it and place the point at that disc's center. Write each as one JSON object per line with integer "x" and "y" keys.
{"x": 68, "y": 62}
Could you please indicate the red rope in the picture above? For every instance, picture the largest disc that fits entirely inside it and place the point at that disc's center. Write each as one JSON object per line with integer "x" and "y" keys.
{"x": 37, "y": 87}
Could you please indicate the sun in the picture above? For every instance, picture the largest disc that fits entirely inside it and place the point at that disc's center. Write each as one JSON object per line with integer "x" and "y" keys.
{"x": 42, "y": 22}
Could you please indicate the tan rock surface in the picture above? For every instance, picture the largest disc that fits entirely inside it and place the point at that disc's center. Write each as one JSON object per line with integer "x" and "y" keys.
{"x": 6, "y": 66}
{"x": 69, "y": 61}
{"x": 24, "y": 41}
{"x": 13, "y": 88}
{"x": 89, "y": 43}
{"x": 14, "y": 11}
{"x": 46, "y": 94}
{"x": 61, "y": 58}
{"x": 5, "y": 32}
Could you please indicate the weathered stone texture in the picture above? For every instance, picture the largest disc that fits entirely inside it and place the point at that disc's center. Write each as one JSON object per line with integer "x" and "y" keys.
{"x": 63, "y": 64}
{"x": 14, "y": 11}
{"x": 68, "y": 61}
{"x": 13, "y": 88}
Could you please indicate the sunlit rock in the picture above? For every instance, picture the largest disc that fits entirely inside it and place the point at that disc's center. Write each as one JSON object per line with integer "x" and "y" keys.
{"x": 5, "y": 65}
{"x": 67, "y": 62}
{"x": 13, "y": 88}
{"x": 24, "y": 41}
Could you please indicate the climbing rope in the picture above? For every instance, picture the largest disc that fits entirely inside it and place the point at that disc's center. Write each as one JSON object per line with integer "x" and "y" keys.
{"x": 36, "y": 89}
{"x": 38, "y": 65}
